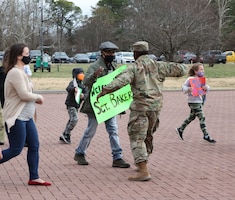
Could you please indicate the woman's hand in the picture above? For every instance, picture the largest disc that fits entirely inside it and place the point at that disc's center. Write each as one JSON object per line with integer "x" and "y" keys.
{"x": 40, "y": 99}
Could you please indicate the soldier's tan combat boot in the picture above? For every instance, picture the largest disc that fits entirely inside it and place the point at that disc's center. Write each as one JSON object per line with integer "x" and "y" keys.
{"x": 137, "y": 168}
{"x": 142, "y": 175}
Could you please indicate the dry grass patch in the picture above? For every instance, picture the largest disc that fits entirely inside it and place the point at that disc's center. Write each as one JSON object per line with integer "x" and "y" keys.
{"x": 170, "y": 83}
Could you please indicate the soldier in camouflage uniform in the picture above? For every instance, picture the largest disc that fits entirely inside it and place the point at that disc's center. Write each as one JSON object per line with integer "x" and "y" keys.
{"x": 146, "y": 77}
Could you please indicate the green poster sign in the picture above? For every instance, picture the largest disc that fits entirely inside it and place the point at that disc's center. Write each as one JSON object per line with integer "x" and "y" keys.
{"x": 110, "y": 104}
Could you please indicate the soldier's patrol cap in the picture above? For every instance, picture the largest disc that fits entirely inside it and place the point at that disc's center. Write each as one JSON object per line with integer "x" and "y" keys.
{"x": 140, "y": 46}
{"x": 108, "y": 46}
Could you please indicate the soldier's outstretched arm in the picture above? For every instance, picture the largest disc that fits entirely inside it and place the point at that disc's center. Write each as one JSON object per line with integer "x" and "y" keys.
{"x": 171, "y": 69}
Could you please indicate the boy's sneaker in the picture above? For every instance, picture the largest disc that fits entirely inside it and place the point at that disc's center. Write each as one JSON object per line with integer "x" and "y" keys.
{"x": 65, "y": 138}
{"x": 209, "y": 139}
{"x": 179, "y": 132}
{"x": 80, "y": 158}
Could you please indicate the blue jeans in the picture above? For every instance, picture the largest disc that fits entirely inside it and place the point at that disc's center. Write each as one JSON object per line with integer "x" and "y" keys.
{"x": 111, "y": 127}
{"x": 21, "y": 132}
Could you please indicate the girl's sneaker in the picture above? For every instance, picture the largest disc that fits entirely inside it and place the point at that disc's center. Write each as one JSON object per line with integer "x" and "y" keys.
{"x": 209, "y": 139}
{"x": 179, "y": 132}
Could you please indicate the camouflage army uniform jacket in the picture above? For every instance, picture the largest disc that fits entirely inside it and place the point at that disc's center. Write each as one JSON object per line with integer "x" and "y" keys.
{"x": 90, "y": 79}
{"x": 146, "y": 78}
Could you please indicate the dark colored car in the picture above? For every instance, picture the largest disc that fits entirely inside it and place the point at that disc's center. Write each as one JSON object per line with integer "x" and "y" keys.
{"x": 214, "y": 56}
{"x": 190, "y": 57}
{"x": 81, "y": 58}
{"x": 60, "y": 57}
{"x": 93, "y": 56}
{"x": 177, "y": 57}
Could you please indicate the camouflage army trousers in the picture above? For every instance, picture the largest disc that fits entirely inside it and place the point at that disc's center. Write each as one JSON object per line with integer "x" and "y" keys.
{"x": 196, "y": 111}
{"x": 73, "y": 119}
{"x": 141, "y": 126}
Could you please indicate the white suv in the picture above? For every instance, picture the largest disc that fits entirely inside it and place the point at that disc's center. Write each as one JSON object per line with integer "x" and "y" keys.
{"x": 124, "y": 57}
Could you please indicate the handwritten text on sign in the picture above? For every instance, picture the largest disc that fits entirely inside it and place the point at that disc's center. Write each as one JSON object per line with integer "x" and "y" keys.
{"x": 110, "y": 104}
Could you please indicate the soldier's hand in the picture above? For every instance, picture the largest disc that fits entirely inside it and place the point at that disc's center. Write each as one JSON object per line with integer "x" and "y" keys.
{"x": 102, "y": 93}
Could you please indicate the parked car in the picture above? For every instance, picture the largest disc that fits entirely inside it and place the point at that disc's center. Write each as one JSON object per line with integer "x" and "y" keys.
{"x": 190, "y": 57}
{"x": 60, "y": 57}
{"x": 71, "y": 59}
{"x": 177, "y": 57}
{"x": 124, "y": 57}
{"x": 214, "y": 56}
{"x": 230, "y": 56}
{"x": 81, "y": 58}
{"x": 34, "y": 54}
{"x": 93, "y": 56}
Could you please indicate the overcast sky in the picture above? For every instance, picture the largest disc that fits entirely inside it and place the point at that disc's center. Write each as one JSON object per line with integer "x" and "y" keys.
{"x": 85, "y": 5}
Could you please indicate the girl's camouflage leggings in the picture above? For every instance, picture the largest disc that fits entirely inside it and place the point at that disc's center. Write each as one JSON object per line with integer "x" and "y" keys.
{"x": 196, "y": 111}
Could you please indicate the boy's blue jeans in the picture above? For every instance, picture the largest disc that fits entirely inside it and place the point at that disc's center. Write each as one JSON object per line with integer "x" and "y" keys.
{"x": 21, "y": 132}
{"x": 111, "y": 127}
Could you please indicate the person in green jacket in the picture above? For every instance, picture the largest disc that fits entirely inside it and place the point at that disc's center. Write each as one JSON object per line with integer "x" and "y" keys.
{"x": 101, "y": 67}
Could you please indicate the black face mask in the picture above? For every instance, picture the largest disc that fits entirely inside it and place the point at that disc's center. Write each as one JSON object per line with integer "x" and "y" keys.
{"x": 109, "y": 59}
{"x": 26, "y": 59}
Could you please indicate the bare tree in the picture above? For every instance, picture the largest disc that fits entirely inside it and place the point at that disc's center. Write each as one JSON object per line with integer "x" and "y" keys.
{"x": 169, "y": 26}
{"x": 222, "y": 7}
{"x": 18, "y": 22}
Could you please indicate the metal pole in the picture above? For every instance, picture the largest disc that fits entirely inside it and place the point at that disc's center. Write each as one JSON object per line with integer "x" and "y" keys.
{"x": 41, "y": 30}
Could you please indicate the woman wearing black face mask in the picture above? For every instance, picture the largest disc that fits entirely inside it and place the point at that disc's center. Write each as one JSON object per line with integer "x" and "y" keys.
{"x": 26, "y": 59}
{"x": 18, "y": 112}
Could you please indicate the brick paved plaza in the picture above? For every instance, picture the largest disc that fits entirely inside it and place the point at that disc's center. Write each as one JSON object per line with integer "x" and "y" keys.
{"x": 192, "y": 169}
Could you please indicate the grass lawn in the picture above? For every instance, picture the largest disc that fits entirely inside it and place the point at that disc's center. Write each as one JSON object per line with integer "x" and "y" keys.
{"x": 65, "y": 71}
{"x": 220, "y": 70}
{"x": 219, "y": 76}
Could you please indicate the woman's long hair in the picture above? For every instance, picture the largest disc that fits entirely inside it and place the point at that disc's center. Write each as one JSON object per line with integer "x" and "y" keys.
{"x": 15, "y": 51}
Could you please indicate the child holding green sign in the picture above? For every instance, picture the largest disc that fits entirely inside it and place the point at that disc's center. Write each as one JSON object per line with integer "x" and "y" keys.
{"x": 76, "y": 93}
